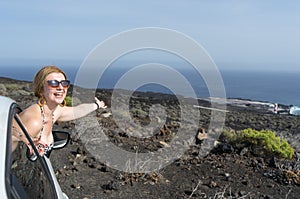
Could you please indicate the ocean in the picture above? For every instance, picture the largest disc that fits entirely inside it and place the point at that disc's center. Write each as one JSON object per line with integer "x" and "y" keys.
{"x": 271, "y": 86}
{"x": 267, "y": 86}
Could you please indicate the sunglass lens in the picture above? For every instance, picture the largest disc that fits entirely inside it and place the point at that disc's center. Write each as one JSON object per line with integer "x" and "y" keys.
{"x": 54, "y": 83}
{"x": 65, "y": 83}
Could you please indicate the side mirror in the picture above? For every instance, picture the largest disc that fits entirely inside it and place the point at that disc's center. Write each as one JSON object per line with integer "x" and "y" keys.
{"x": 61, "y": 139}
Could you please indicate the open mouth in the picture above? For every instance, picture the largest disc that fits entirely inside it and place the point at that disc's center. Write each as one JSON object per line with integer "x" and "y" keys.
{"x": 58, "y": 94}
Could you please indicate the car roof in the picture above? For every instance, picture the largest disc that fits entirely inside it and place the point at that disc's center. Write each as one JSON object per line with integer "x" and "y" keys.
{"x": 5, "y": 105}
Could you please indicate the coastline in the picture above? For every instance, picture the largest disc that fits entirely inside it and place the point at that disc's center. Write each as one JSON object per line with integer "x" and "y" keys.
{"x": 260, "y": 106}
{"x": 257, "y": 85}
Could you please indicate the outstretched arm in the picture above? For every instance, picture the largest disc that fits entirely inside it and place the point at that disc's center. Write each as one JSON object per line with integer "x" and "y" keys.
{"x": 71, "y": 113}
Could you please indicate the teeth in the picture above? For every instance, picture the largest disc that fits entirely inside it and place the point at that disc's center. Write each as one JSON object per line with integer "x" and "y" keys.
{"x": 58, "y": 94}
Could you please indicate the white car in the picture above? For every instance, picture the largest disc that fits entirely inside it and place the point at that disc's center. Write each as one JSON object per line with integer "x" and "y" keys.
{"x": 21, "y": 177}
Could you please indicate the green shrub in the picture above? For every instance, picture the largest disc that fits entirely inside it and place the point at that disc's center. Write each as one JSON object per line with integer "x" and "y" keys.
{"x": 12, "y": 86}
{"x": 69, "y": 101}
{"x": 265, "y": 138}
{"x": 3, "y": 90}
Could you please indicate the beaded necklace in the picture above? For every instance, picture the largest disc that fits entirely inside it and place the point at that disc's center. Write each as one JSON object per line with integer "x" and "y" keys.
{"x": 44, "y": 122}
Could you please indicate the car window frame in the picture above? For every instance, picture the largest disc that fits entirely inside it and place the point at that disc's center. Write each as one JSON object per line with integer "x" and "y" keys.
{"x": 8, "y": 180}
{"x": 13, "y": 111}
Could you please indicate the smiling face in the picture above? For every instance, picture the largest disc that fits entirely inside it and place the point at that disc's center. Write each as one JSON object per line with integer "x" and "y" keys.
{"x": 54, "y": 95}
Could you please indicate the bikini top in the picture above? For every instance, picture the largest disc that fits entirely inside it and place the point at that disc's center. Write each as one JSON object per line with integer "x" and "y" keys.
{"x": 42, "y": 147}
{"x": 46, "y": 148}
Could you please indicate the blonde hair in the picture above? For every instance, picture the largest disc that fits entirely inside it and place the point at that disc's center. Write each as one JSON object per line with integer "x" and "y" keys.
{"x": 40, "y": 78}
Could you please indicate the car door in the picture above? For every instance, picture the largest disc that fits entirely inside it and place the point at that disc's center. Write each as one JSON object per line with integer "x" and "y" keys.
{"x": 24, "y": 178}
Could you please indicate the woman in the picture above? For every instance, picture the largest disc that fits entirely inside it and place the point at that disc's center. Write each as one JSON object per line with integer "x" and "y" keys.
{"x": 50, "y": 86}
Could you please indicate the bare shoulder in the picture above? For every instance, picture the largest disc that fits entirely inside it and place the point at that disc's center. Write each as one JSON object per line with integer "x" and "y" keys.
{"x": 31, "y": 111}
{"x": 60, "y": 110}
{"x": 31, "y": 118}
{"x": 64, "y": 113}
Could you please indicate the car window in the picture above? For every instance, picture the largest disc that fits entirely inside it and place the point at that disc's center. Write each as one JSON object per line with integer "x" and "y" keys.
{"x": 27, "y": 178}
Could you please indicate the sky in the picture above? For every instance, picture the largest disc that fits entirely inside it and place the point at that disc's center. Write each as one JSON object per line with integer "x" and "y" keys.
{"x": 244, "y": 35}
